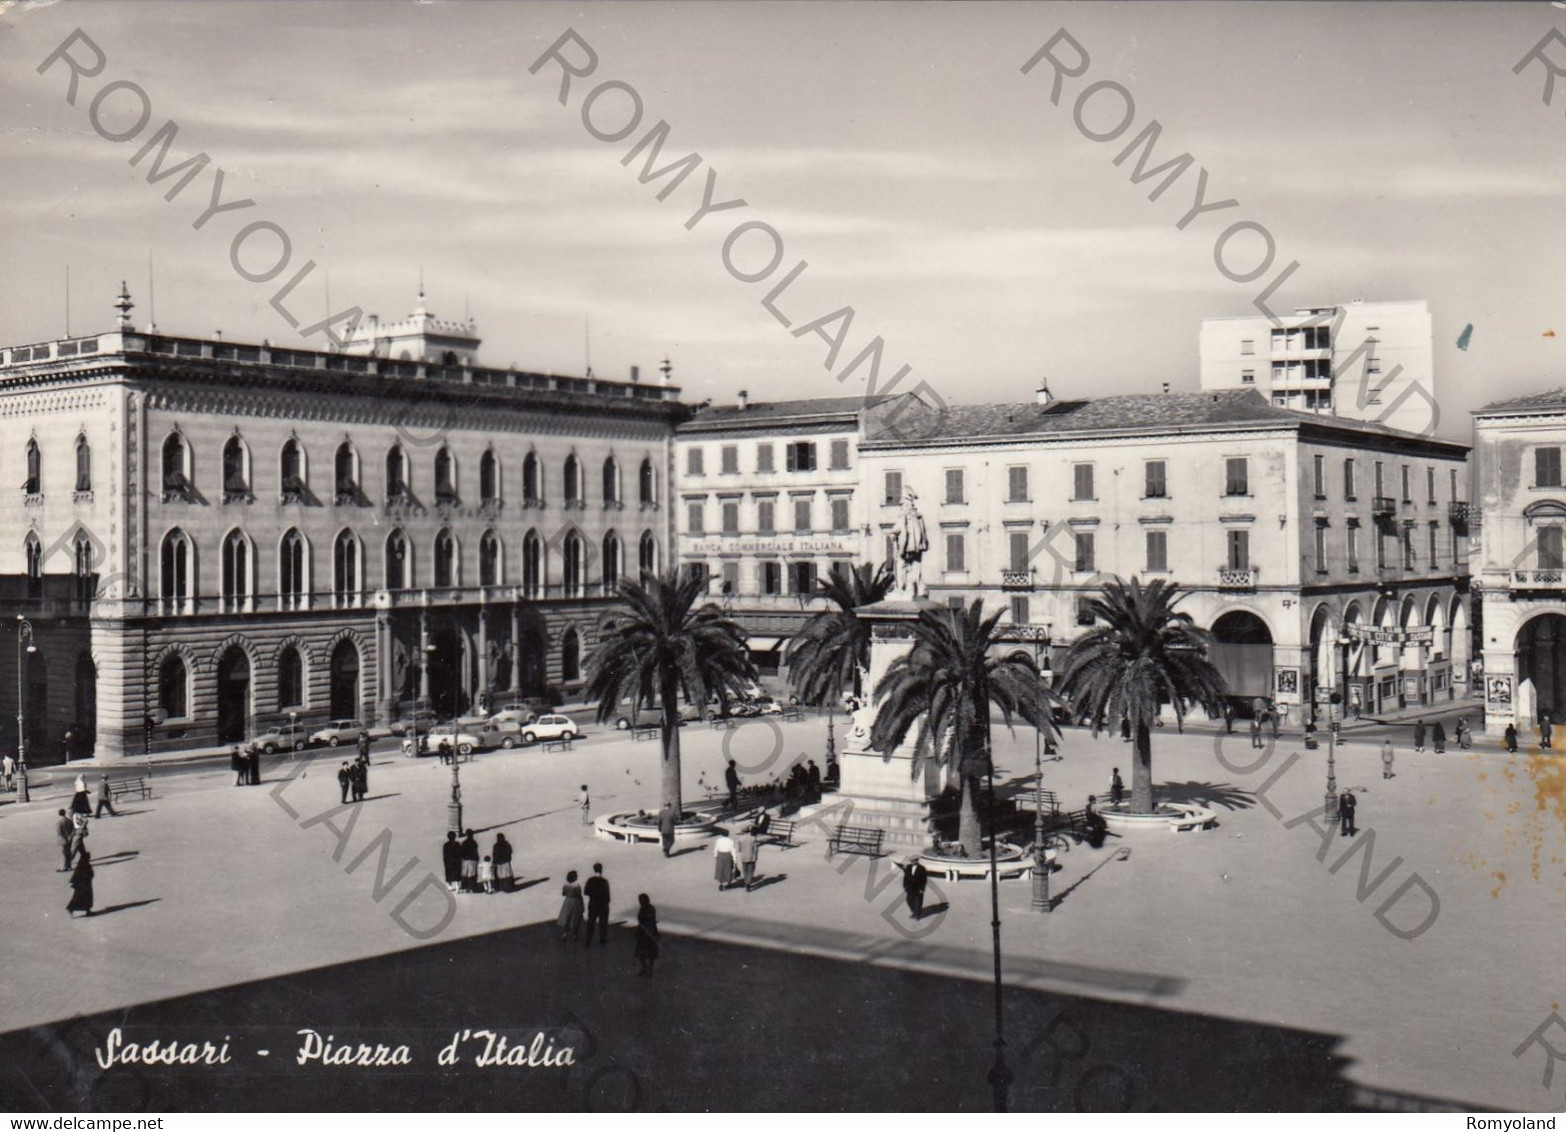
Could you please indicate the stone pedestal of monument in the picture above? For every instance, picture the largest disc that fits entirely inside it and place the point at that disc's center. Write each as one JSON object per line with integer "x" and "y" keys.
{"x": 885, "y": 792}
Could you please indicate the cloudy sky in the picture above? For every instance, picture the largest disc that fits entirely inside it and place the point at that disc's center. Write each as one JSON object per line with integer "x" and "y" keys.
{"x": 897, "y": 148}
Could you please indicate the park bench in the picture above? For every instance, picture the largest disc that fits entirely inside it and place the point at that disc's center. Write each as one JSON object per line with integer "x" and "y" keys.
{"x": 652, "y": 731}
{"x": 563, "y": 743}
{"x": 125, "y": 787}
{"x": 855, "y": 839}
{"x": 793, "y": 714}
{"x": 1047, "y": 798}
{"x": 780, "y": 831}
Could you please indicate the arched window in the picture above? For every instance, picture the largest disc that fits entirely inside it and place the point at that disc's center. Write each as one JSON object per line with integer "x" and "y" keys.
{"x": 611, "y": 562}
{"x": 445, "y": 476}
{"x": 489, "y": 477}
{"x": 236, "y": 471}
{"x": 647, "y": 554}
{"x": 647, "y": 485}
{"x": 445, "y": 559}
{"x": 33, "y": 484}
{"x": 290, "y": 679}
{"x": 532, "y": 481}
{"x": 176, "y": 468}
{"x": 611, "y": 482}
{"x": 396, "y": 474}
{"x": 399, "y": 572}
{"x": 570, "y": 657}
{"x": 238, "y": 572}
{"x": 573, "y": 482}
{"x": 83, "y": 464}
{"x": 572, "y": 564}
{"x": 347, "y": 555}
{"x": 291, "y": 471}
{"x": 173, "y": 686}
{"x": 346, "y": 474}
{"x": 178, "y": 573}
{"x": 86, "y": 566}
{"x": 33, "y": 549}
{"x": 533, "y": 578}
{"x": 293, "y": 566}
{"x": 489, "y": 560}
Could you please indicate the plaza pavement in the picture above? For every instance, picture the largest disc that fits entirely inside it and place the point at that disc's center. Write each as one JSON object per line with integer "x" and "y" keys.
{"x": 209, "y": 886}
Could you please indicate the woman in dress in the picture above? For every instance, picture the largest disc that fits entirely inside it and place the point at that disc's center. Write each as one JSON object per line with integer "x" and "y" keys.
{"x": 723, "y": 861}
{"x": 79, "y": 802}
{"x": 646, "y": 935}
{"x": 81, "y": 885}
{"x": 470, "y": 860}
{"x": 570, "y": 921}
{"x": 505, "y": 879}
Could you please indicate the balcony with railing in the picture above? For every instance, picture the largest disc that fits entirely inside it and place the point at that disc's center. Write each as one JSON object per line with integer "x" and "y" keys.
{"x": 1383, "y": 506}
{"x": 1237, "y": 577}
{"x": 1017, "y": 579}
{"x": 1545, "y": 578}
{"x": 1461, "y": 515}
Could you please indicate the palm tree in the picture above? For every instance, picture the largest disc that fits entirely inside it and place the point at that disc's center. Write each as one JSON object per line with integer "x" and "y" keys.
{"x": 1140, "y": 654}
{"x": 661, "y": 643}
{"x": 833, "y": 647}
{"x": 943, "y": 689}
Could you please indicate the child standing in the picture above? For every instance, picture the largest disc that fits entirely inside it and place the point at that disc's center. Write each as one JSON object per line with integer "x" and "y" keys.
{"x": 583, "y": 801}
{"x": 487, "y": 874}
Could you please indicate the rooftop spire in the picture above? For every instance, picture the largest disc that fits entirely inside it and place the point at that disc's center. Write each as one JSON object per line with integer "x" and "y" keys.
{"x": 124, "y": 305}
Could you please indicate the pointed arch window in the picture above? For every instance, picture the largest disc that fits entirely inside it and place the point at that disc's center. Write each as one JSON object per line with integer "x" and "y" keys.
{"x": 532, "y": 481}
{"x": 445, "y": 476}
{"x": 33, "y": 550}
{"x": 445, "y": 559}
{"x": 397, "y": 487}
{"x": 611, "y": 562}
{"x": 647, "y": 485}
{"x": 83, "y": 463}
{"x": 293, "y": 569}
{"x": 611, "y": 484}
{"x": 347, "y": 570}
{"x": 570, "y": 657}
{"x": 573, "y": 565}
{"x": 489, "y": 478}
{"x": 345, "y": 469}
{"x": 85, "y": 566}
{"x": 33, "y": 484}
{"x": 176, "y": 469}
{"x": 173, "y": 687}
{"x": 290, "y": 678}
{"x": 573, "y": 483}
{"x": 489, "y": 559}
{"x": 238, "y": 573}
{"x": 236, "y": 472}
{"x": 647, "y": 554}
{"x": 177, "y": 572}
{"x": 292, "y": 471}
{"x": 533, "y": 578}
{"x": 399, "y": 562}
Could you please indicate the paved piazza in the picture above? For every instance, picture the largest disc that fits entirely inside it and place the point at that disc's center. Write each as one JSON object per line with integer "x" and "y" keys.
{"x": 209, "y": 886}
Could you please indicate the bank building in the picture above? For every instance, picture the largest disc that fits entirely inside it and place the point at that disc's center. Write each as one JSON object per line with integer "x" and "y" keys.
{"x": 211, "y": 538}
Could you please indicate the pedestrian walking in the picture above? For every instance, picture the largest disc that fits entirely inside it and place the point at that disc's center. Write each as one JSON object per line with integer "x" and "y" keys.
{"x": 1511, "y": 738}
{"x": 364, "y": 776}
{"x": 105, "y": 798}
{"x": 241, "y": 766}
{"x": 344, "y": 781}
{"x": 79, "y": 802}
{"x": 1346, "y": 805}
{"x": 586, "y": 805}
{"x": 915, "y": 877}
{"x": 470, "y": 862}
{"x": 364, "y": 745}
{"x": 570, "y": 919}
{"x": 505, "y": 878}
{"x": 1117, "y": 788}
{"x": 731, "y": 779}
{"x": 486, "y": 876}
{"x": 1125, "y": 729}
{"x": 1386, "y": 758}
{"x": 1465, "y": 738}
{"x": 1419, "y": 735}
{"x": 81, "y": 886}
{"x": 597, "y": 893}
{"x": 356, "y": 783}
{"x": 63, "y": 829}
{"x": 723, "y": 861}
{"x": 1256, "y": 733}
{"x": 78, "y": 835}
{"x": 647, "y": 945}
{"x": 255, "y": 767}
{"x": 1544, "y": 730}
{"x": 666, "y": 823}
{"x": 451, "y": 859}
{"x": 1438, "y": 738}
{"x": 747, "y": 847}
{"x": 8, "y": 772}
{"x": 1274, "y": 717}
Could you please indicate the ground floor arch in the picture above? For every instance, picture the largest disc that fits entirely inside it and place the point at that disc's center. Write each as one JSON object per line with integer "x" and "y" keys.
{"x": 233, "y": 695}
{"x": 1540, "y": 658}
{"x": 1243, "y": 653}
{"x": 345, "y": 692}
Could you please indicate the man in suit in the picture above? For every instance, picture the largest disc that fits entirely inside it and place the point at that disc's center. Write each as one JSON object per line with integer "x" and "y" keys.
{"x": 344, "y": 781}
{"x": 731, "y": 779}
{"x": 597, "y": 892}
{"x": 748, "y": 849}
{"x": 666, "y": 823}
{"x": 1346, "y": 804}
{"x": 64, "y": 829}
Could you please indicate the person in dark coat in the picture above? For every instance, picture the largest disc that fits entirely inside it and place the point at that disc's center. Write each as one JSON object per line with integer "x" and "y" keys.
{"x": 78, "y": 835}
{"x": 451, "y": 858}
{"x": 666, "y": 823}
{"x": 364, "y": 776}
{"x": 915, "y": 877}
{"x": 1419, "y": 735}
{"x": 344, "y": 781}
{"x": 1544, "y": 730}
{"x": 255, "y": 768}
{"x": 505, "y": 878}
{"x": 813, "y": 772}
{"x": 646, "y": 935}
{"x": 105, "y": 798}
{"x": 81, "y": 886}
{"x": 470, "y": 860}
{"x": 1511, "y": 738}
{"x": 1117, "y": 787}
{"x": 731, "y": 779}
{"x": 240, "y": 763}
{"x": 1096, "y": 827}
{"x": 364, "y": 745}
{"x": 63, "y": 829}
{"x": 597, "y": 892}
{"x": 1346, "y": 805}
{"x": 79, "y": 801}
{"x": 356, "y": 781}
{"x": 1438, "y": 738}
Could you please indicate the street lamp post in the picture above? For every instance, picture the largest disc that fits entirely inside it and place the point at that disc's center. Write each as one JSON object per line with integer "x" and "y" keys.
{"x": 1041, "y": 901}
{"x": 1000, "y": 1076}
{"x": 1335, "y": 714}
{"x": 454, "y": 807}
{"x": 24, "y": 633}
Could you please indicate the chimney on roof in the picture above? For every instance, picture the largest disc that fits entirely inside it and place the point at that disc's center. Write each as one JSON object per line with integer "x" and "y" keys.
{"x": 636, "y": 373}
{"x": 744, "y": 399}
{"x": 1166, "y": 387}
{"x": 667, "y": 369}
{"x": 1043, "y": 396}
{"x": 217, "y": 336}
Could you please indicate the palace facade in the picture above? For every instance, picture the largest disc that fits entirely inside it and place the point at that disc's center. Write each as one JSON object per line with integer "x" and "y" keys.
{"x": 212, "y": 538}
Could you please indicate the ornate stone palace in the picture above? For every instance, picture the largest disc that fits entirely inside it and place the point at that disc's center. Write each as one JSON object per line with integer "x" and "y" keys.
{"x": 212, "y": 538}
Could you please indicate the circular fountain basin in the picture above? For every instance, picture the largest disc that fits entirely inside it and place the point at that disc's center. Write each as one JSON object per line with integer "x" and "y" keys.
{"x": 633, "y": 828}
{"x": 1175, "y": 817}
{"x": 1011, "y": 863}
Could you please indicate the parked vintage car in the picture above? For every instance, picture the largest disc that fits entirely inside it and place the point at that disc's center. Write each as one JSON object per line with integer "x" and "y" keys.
{"x": 549, "y": 727}
{"x": 275, "y": 739}
{"x": 337, "y": 732}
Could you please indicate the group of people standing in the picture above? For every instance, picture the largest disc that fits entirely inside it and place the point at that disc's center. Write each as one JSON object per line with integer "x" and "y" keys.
{"x": 71, "y": 830}
{"x": 246, "y": 766}
{"x": 353, "y": 779}
{"x": 467, "y": 870}
{"x": 590, "y": 902}
{"x": 735, "y": 858}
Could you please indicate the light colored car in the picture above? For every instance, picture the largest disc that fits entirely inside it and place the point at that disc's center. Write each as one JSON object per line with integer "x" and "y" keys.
{"x": 549, "y": 727}
{"x": 275, "y": 739}
{"x": 516, "y": 715}
{"x": 421, "y": 720}
{"x": 465, "y": 742}
{"x": 336, "y": 732}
